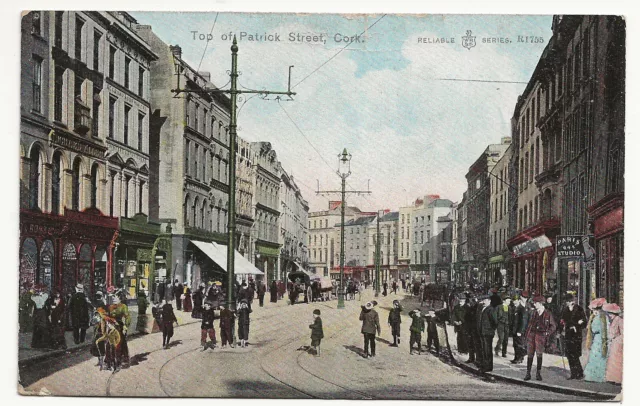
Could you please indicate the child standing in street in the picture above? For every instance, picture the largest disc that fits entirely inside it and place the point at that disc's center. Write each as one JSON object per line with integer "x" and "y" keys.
{"x": 226, "y": 326}
{"x": 416, "y": 329}
{"x": 316, "y": 332}
{"x": 432, "y": 332}
{"x": 243, "y": 322}
{"x": 208, "y": 315}
{"x": 394, "y": 322}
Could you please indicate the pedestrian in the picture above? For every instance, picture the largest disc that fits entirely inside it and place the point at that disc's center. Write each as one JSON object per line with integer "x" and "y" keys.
{"x": 458, "y": 318}
{"x": 394, "y": 322}
{"x": 41, "y": 329}
{"x": 187, "y": 303}
{"x": 119, "y": 311}
{"x": 486, "y": 328}
{"x": 572, "y": 322}
{"x": 261, "y": 289}
{"x": 99, "y": 301}
{"x": 385, "y": 285}
{"x": 227, "y": 318}
{"x": 56, "y": 318}
{"x": 541, "y": 327}
{"x": 416, "y": 329}
{"x": 168, "y": 291}
{"x": 503, "y": 317}
{"x": 178, "y": 293}
{"x": 293, "y": 294}
{"x": 198, "y": 301}
{"x": 168, "y": 318}
{"x": 273, "y": 291}
{"x": 206, "y": 327}
{"x": 394, "y": 286}
{"x": 520, "y": 324}
{"x": 404, "y": 284}
{"x": 615, "y": 334}
{"x": 159, "y": 295}
{"x": 597, "y": 343}
{"x": 243, "y": 322}
{"x": 79, "y": 310}
{"x": 471, "y": 328}
{"x": 432, "y": 332}
{"x": 251, "y": 292}
{"x": 143, "y": 303}
{"x": 317, "y": 333}
{"x": 370, "y": 324}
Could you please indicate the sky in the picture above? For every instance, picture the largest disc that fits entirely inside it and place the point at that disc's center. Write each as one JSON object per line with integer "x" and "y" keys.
{"x": 382, "y": 97}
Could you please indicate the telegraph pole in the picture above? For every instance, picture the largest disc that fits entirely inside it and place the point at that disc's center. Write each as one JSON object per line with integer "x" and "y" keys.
{"x": 233, "y": 125}
{"x": 378, "y": 256}
{"x": 344, "y": 170}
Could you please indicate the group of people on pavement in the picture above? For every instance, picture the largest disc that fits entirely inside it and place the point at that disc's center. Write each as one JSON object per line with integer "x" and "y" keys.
{"x": 533, "y": 327}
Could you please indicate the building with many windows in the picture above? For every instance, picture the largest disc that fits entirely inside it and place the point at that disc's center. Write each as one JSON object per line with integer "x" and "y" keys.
{"x": 84, "y": 150}
{"x": 499, "y": 221}
{"x": 245, "y": 182}
{"x": 189, "y": 163}
{"x": 388, "y": 247}
{"x": 293, "y": 236}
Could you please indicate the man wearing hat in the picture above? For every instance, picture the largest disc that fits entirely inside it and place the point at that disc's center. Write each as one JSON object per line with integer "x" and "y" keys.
{"x": 520, "y": 324}
{"x": 470, "y": 329}
{"x": 79, "y": 310}
{"x": 541, "y": 328}
{"x": 370, "y": 324}
{"x": 572, "y": 321}
{"x": 486, "y": 327}
{"x": 394, "y": 322}
{"x": 504, "y": 318}
{"x": 457, "y": 318}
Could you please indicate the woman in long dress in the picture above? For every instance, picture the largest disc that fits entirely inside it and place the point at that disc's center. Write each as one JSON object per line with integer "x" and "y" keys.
{"x": 597, "y": 343}
{"x": 41, "y": 331}
{"x": 187, "y": 304}
{"x": 273, "y": 290}
{"x": 616, "y": 332}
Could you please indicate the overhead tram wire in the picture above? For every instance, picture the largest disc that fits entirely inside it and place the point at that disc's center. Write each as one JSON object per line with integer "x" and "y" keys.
{"x": 337, "y": 53}
{"x": 207, "y": 43}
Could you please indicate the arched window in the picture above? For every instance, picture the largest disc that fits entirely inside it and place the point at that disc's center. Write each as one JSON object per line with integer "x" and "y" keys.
{"x": 202, "y": 215}
{"x": 45, "y": 270}
{"x": 194, "y": 211}
{"x": 94, "y": 185}
{"x": 34, "y": 177}
{"x": 28, "y": 263}
{"x": 75, "y": 184}
{"x": 55, "y": 182}
{"x": 185, "y": 211}
{"x": 127, "y": 181}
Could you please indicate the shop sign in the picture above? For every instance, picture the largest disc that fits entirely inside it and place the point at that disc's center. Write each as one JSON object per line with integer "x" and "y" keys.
{"x": 530, "y": 246}
{"x": 572, "y": 246}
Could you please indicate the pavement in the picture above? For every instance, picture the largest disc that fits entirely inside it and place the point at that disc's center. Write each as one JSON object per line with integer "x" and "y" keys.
{"x": 27, "y": 355}
{"x": 555, "y": 371}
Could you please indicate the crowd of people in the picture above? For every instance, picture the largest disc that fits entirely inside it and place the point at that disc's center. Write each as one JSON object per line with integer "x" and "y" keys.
{"x": 537, "y": 326}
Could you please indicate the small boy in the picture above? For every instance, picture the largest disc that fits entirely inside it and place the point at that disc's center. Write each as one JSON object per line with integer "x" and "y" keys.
{"x": 416, "y": 329}
{"x": 316, "y": 332}
{"x": 226, "y": 326}
{"x": 432, "y": 332}
{"x": 394, "y": 322}
{"x": 208, "y": 315}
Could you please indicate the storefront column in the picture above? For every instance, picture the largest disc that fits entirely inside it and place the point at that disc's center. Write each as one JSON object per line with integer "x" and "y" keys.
{"x": 66, "y": 188}
{"x": 85, "y": 191}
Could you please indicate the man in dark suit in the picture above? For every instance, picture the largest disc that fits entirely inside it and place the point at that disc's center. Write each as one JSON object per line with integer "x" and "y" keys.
{"x": 470, "y": 329}
{"x": 178, "y": 290}
{"x": 486, "y": 326}
{"x": 572, "y": 321}
{"x": 520, "y": 322}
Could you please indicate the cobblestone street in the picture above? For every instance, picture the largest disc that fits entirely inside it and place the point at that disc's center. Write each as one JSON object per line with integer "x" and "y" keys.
{"x": 275, "y": 366}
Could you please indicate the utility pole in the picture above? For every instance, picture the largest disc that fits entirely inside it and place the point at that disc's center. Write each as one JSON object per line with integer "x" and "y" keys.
{"x": 344, "y": 170}
{"x": 233, "y": 125}
{"x": 378, "y": 255}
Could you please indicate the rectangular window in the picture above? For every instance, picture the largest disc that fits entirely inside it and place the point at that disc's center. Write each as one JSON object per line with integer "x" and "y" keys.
{"x": 96, "y": 49}
{"x": 127, "y": 68}
{"x": 59, "y": 80}
{"x": 141, "y": 72}
{"x": 127, "y": 110}
{"x": 112, "y": 117}
{"x": 37, "y": 83}
{"x": 140, "y": 190}
{"x": 421, "y": 237}
{"x": 58, "y": 29}
{"x": 428, "y": 234}
{"x": 204, "y": 123}
{"x": 140, "y": 131}
{"x": 195, "y": 157}
{"x": 188, "y": 117}
{"x": 79, "y": 25}
{"x": 95, "y": 123}
{"x": 187, "y": 152}
{"x": 126, "y": 196}
{"x": 112, "y": 193}
{"x": 112, "y": 62}
{"x": 36, "y": 23}
{"x": 197, "y": 124}
{"x": 533, "y": 114}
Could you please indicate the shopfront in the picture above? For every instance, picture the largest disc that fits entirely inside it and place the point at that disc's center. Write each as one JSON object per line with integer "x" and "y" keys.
{"x": 266, "y": 260}
{"x": 63, "y": 251}
{"x": 494, "y": 269}
{"x": 607, "y": 217}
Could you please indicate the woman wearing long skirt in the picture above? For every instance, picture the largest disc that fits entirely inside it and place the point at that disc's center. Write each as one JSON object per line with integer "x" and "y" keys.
{"x": 596, "y": 343}
{"x": 243, "y": 322}
{"x": 616, "y": 332}
{"x": 273, "y": 290}
{"x": 56, "y": 306}
{"x": 187, "y": 303}
{"x": 41, "y": 332}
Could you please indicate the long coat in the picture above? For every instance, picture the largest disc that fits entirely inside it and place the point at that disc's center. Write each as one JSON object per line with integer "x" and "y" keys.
{"x": 521, "y": 320}
{"x": 614, "y": 362}
{"x": 79, "y": 310}
{"x": 370, "y": 321}
{"x": 316, "y": 329}
{"x": 573, "y": 329}
{"x": 486, "y": 321}
{"x": 503, "y": 319}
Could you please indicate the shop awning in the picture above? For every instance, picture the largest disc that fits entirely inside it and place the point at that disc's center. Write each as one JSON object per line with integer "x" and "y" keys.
{"x": 532, "y": 245}
{"x": 218, "y": 254}
{"x": 496, "y": 259}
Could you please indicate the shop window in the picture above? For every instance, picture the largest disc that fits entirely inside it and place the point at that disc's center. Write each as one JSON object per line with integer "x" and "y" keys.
{"x": 84, "y": 268}
{"x": 69, "y": 266}
{"x": 28, "y": 263}
{"x": 45, "y": 270}
{"x": 100, "y": 271}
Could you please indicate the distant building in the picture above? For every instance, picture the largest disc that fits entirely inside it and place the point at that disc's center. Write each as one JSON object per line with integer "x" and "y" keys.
{"x": 293, "y": 236}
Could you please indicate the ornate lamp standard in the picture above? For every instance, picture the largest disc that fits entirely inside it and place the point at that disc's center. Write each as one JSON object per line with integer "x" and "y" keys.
{"x": 344, "y": 170}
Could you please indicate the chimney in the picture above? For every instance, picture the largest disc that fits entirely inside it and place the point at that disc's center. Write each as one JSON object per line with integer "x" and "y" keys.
{"x": 176, "y": 51}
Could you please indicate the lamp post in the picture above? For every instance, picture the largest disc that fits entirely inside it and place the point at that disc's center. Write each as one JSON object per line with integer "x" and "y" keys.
{"x": 380, "y": 214}
{"x": 344, "y": 170}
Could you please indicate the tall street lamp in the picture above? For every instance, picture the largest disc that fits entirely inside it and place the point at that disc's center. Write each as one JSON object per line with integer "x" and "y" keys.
{"x": 344, "y": 170}
{"x": 380, "y": 214}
